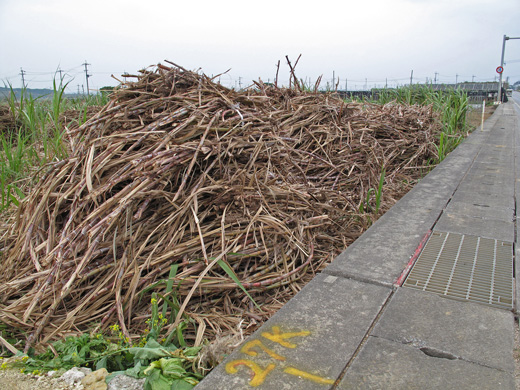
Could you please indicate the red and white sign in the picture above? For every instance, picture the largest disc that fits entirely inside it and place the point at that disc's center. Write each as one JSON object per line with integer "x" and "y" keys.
{"x": 500, "y": 69}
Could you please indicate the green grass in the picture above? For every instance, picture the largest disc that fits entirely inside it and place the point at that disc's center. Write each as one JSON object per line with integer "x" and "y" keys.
{"x": 452, "y": 106}
{"x": 37, "y": 137}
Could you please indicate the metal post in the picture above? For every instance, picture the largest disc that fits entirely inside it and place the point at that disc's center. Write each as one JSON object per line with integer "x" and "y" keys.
{"x": 502, "y": 65}
{"x": 506, "y": 38}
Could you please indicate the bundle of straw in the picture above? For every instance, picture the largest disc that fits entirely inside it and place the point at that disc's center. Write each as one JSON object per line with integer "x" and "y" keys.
{"x": 263, "y": 184}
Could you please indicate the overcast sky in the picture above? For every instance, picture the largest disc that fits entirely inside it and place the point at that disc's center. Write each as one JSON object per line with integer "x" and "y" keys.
{"x": 363, "y": 42}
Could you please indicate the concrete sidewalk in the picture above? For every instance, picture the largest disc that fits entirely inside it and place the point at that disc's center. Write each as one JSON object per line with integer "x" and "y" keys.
{"x": 355, "y": 326}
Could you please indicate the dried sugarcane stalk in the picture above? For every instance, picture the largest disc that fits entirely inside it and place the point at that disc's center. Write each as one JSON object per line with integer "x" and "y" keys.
{"x": 178, "y": 169}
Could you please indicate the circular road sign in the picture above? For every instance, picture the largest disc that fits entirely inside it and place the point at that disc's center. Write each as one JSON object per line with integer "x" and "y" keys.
{"x": 500, "y": 69}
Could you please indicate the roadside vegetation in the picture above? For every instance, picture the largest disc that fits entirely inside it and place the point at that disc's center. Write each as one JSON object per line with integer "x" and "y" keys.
{"x": 452, "y": 107}
{"x": 34, "y": 133}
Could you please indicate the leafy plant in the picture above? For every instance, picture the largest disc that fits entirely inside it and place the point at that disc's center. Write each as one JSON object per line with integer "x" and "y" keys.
{"x": 166, "y": 363}
{"x": 452, "y": 105}
{"x": 37, "y": 136}
{"x": 365, "y": 206}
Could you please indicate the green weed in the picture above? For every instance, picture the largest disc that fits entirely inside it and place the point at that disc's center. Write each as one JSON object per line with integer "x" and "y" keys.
{"x": 452, "y": 105}
{"x": 38, "y": 136}
{"x": 166, "y": 362}
{"x": 365, "y": 205}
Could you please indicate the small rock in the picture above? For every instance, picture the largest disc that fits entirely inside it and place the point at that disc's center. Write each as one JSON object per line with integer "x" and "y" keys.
{"x": 85, "y": 370}
{"x": 74, "y": 375}
{"x": 125, "y": 382}
{"x": 95, "y": 380}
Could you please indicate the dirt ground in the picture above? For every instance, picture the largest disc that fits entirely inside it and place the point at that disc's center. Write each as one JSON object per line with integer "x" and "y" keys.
{"x": 474, "y": 116}
{"x": 13, "y": 379}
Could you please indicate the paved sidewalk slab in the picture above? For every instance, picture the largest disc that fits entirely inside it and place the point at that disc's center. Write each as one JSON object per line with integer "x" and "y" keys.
{"x": 381, "y": 254}
{"x": 482, "y": 210}
{"x": 328, "y": 318}
{"x": 475, "y": 226}
{"x": 488, "y": 181}
{"x": 502, "y": 199}
{"x": 488, "y": 184}
{"x": 495, "y": 156}
{"x": 466, "y": 330}
{"x": 387, "y": 365}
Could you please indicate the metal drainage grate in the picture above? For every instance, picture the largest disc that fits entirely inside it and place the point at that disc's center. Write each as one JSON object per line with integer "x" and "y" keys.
{"x": 465, "y": 267}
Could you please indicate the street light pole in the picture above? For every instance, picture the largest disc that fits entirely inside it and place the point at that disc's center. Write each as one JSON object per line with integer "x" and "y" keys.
{"x": 506, "y": 38}
{"x": 502, "y": 66}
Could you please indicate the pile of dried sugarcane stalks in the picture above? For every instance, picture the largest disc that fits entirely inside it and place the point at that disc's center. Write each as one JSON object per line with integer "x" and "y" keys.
{"x": 178, "y": 169}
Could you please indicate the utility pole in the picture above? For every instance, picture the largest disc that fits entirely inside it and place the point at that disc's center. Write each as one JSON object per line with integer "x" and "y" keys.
{"x": 60, "y": 71}
{"x": 411, "y": 78}
{"x": 86, "y": 74}
{"x": 22, "y": 72}
{"x": 506, "y": 38}
{"x": 456, "y": 79}
{"x": 435, "y": 82}
{"x": 240, "y": 82}
{"x": 78, "y": 90}
{"x": 473, "y": 78}
{"x": 386, "y": 82}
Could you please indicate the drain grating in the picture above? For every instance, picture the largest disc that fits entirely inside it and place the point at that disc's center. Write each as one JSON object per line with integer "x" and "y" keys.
{"x": 465, "y": 267}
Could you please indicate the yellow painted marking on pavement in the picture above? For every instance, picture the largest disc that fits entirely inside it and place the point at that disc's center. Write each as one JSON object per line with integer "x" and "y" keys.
{"x": 259, "y": 374}
{"x": 248, "y": 350}
{"x": 278, "y": 337}
{"x": 308, "y": 376}
{"x": 255, "y": 348}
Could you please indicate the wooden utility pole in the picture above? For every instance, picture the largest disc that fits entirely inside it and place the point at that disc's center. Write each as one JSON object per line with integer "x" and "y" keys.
{"x": 22, "y": 72}
{"x": 411, "y": 78}
{"x": 86, "y": 75}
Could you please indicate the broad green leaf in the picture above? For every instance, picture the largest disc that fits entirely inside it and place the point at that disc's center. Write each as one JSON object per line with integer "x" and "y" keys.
{"x": 181, "y": 384}
{"x": 172, "y": 368}
{"x": 157, "y": 381}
